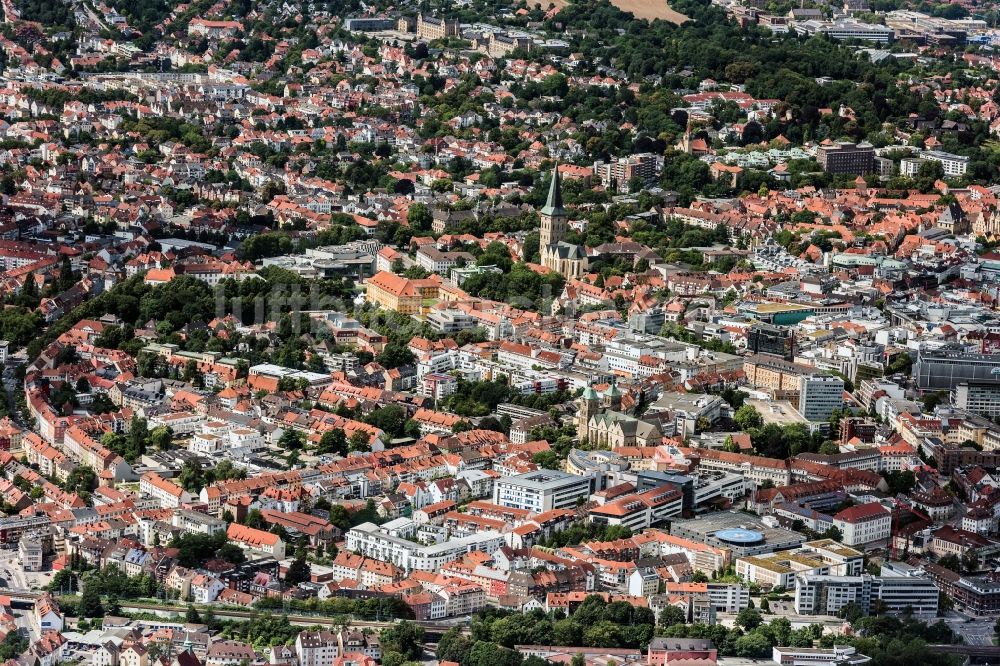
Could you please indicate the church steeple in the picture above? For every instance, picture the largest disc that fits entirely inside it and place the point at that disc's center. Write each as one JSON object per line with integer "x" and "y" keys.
{"x": 554, "y": 202}
{"x": 552, "y": 216}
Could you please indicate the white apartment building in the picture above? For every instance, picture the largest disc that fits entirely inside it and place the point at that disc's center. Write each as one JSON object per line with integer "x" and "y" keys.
{"x": 372, "y": 541}
{"x": 543, "y": 490}
{"x": 30, "y": 551}
{"x": 954, "y": 165}
{"x": 728, "y": 597}
{"x": 317, "y": 648}
{"x": 167, "y": 493}
{"x": 196, "y": 521}
{"x": 625, "y": 354}
{"x": 180, "y": 423}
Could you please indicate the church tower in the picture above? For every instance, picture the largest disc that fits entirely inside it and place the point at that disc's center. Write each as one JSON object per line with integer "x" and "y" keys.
{"x": 613, "y": 396}
{"x": 552, "y": 217}
{"x": 586, "y": 408}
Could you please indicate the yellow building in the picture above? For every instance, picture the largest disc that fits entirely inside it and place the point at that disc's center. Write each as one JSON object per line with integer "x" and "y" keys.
{"x": 393, "y": 292}
{"x": 431, "y": 28}
{"x": 770, "y": 372}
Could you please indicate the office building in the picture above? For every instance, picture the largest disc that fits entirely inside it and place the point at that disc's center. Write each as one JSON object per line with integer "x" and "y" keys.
{"x": 543, "y": 490}
{"x": 774, "y": 340}
{"x": 369, "y": 24}
{"x": 827, "y": 595}
{"x": 845, "y": 157}
{"x": 840, "y": 655}
{"x": 977, "y": 398}
{"x": 743, "y": 534}
{"x": 845, "y": 29}
{"x": 728, "y": 597}
{"x": 899, "y": 591}
{"x": 925, "y": 29}
{"x": 906, "y": 589}
{"x": 819, "y": 396}
{"x": 841, "y": 560}
{"x": 946, "y": 368}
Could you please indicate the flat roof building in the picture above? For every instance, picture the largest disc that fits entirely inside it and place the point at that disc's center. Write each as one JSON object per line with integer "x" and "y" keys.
{"x": 845, "y": 157}
{"x": 543, "y": 490}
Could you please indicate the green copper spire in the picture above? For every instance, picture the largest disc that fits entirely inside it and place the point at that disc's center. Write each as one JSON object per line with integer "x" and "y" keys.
{"x": 554, "y": 203}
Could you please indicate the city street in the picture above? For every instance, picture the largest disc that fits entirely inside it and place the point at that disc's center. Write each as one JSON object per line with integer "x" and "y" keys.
{"x": 975, "y": 631}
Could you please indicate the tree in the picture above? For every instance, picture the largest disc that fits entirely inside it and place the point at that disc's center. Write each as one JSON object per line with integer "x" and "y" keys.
{"x": 403, "y": 637}
{"x": 951, "y": 562}
{"x": 90, "y": 599}
{"x": 161, "y": 437}
{"x": 390, "y": 419}
{"x": 333, "y": 441}
{"x": 748, "y": 418}
{"x": 672, "y": 615}
{"x": 484, "y": 653}
{"x": 13, "y": 645}
{"x": 549, "y": 459}
{"x": 394, "y": 355}
{"x": 291, "y": 440}
{"x": 765, "y": 605}
{"x": 299, "y": 570}
{"x": 829, "y": 448}
{"x": 749, "y": 619}
{"x": 340, "y": 517}
{"x": 851, "y": 612}
{"x": 192, "y": 478}
{"x": 901, "y": 482}
{"x": 231, "y": 553}
{"x": 192, "y": 616}
{"x": 419, "y": 217}
{"x": 970, "y": 561}
{"x": 360, "y": 441}
{"x": 455, "y": 646}
{"x": 753, "y": 646}
{"x": 255, "y": 520}
{"x": 81, "y": 479}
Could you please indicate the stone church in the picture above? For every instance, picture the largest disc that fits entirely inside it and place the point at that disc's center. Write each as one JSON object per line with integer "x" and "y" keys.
{"x": 600, "y": 421}
{"x": 557, "y": 255}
